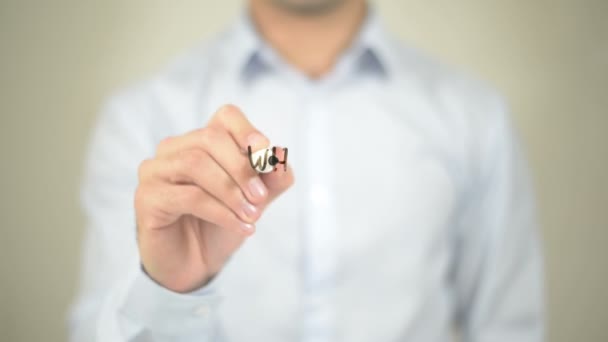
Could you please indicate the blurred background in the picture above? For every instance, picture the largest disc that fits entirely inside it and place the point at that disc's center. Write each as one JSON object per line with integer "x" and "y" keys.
{"x": 60, "y": 59}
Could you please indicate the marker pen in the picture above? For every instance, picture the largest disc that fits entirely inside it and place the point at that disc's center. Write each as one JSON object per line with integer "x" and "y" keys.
{"x": 265, "y": 160}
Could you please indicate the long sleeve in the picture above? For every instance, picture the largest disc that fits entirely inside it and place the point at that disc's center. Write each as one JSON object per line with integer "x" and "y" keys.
{"x": 117, "y": 301}
{"x": 498, "y": 269}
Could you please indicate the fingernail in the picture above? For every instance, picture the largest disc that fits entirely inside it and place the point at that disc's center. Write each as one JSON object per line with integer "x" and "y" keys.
{"x": 257, "y": 141}
{"x": 247, "y": 227}
{"x": 250, "y": 210}
{"x": 257, "y": 188}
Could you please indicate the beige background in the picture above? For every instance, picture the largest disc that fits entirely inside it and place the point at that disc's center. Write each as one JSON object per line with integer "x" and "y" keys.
{"x": 58, "y": 59}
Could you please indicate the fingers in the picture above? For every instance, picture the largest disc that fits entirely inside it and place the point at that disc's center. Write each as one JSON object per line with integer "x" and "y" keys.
{"x": 231, "y": 119}
{"x": 215, "y": 175}
{"x": 197, "y": 167}
{"x": 165, "y": 203}
{"x": 217, "y": 143}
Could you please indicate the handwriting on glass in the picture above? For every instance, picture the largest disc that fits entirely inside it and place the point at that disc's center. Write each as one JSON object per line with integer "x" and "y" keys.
{"x": 266, "y": 160}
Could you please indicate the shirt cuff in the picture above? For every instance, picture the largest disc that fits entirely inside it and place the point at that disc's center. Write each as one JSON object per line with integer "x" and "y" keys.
{"x": 161, "y": 310}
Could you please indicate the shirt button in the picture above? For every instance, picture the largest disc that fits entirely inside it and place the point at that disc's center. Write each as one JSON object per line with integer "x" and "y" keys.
{"x": 202, "y": 311}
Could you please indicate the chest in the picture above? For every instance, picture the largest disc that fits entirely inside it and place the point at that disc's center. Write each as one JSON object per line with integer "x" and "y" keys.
{"x": 369, "y": 213}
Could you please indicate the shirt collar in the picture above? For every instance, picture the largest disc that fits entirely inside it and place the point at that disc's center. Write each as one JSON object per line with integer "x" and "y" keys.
{"x": 254, "y": 57}
{"x": 371, "y": 46}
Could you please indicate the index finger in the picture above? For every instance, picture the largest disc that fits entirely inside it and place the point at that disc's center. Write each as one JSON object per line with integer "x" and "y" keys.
{"x": 231, "y": 118}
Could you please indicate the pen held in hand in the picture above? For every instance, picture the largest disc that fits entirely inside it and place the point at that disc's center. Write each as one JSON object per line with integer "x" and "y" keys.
{"x": 266, "y": 160}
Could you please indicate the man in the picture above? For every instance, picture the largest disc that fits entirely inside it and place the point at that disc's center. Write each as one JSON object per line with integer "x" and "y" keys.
{"x": 411, "y": 218}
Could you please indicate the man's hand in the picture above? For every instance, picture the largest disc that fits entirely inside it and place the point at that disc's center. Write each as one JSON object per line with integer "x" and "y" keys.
{"x": 199, "y": 198}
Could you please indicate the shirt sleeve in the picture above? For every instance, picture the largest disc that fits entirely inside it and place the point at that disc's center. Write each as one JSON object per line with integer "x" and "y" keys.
{"x": 117, "y": 301}
{"x": 498, "y": 278}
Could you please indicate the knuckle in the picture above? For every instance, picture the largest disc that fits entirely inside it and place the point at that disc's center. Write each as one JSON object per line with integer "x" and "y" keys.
{"x": 228, "y": 110}
{"x": 228, "y": 113}
{"x": 209, "y": 136}
{"x": 153, "y": 205}
{"x": 190, "y": 160}
{"x": 163, "y": 145}
{"x": 143, "y": 169}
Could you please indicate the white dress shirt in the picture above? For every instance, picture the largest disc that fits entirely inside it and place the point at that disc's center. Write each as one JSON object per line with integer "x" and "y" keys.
{"x": 411, "y": 217}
